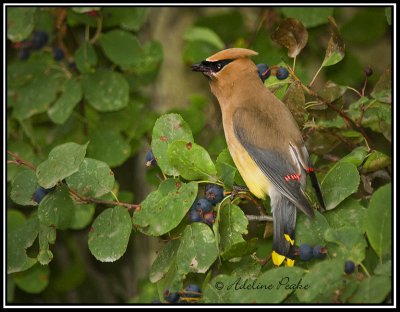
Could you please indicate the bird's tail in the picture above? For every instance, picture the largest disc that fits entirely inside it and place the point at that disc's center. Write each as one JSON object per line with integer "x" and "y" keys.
{"x": 284, "y": 217}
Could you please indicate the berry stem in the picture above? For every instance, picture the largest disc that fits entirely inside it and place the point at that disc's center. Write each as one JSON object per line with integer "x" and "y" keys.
{"x": 365, "y": 85}
{"x": 294, "y": 63}
{"x": 365, "y": 269}
{"x": 315, "y": 76}
{"x": 352, "y": 89}
{"x": 98, "y": 29}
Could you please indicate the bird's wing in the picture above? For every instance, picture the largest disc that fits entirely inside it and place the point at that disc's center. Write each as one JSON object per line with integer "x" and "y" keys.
{"x": 260, "y": 135}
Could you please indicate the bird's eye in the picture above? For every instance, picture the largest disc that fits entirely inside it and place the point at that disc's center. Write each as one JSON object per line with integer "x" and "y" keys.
{"x": 219, "y": 66}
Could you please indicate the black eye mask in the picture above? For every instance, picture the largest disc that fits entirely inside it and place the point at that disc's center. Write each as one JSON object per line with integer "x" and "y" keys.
{"x": 216, "y": 66}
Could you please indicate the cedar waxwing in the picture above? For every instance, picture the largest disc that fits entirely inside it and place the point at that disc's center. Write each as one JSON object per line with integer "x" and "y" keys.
{"x": 264, "y": 141}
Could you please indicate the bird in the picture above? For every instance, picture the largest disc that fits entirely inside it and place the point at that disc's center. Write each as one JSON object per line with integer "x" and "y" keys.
{"x": 265, "y": 143}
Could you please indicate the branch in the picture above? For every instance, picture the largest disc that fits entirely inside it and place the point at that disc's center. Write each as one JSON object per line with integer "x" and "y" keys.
{"x": 259, "y": 218}
{"x": 18, "y": 161}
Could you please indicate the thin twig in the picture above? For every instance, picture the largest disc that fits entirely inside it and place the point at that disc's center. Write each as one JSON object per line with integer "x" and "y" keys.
{"x": 259, "y": 218}
{"x": 19, "y": 161}
{"x": 315, "y": 76}
{"x": 98, "y": 29}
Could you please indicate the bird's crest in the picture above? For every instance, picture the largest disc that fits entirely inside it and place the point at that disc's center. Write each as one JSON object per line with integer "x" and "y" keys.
{"x": 231, "y": 54}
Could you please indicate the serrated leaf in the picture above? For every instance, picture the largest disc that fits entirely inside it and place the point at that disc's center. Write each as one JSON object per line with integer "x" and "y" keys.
{"x": 378, "y": 220}
{"x": 191, "y": 160}
{"x": 372, "y": 290}
{"x": 17, "y": 242}
{"x": 349, "y": 213}
{"x": 106, "y": 91}
{"x": 86, "y": 58}
{"x": 164, "y": 209}
{"x": 226, "y": 168}
{"x": 121, "y": 47}
{"x": 56, "y": 209}
{"x": 350, "y": 243}
{"x": 332, "y": 91}
{"x": 34, "y": 280}
{"x": 20, "y": 22}
{"x": 292, "y": 35}
{"x": 375, "y": 161}
{"x": 356, "y": 156}
{"x": 197, "y": 251}
{"x": 108, "y": 145}
{"x": 94, "y": 178}
{"x": 203, "y": 34}
{"x": 233, "y": 225}
{"x": 295, "y": 101}
{"x": 378, "y": 117}
{"x": 339, "y": 183}
{"x": 82, "y": 216}
{"x": 109, "y": 235}
{"x": 335, "y": 50}
{"x": 165, "y": 258}
{"x": 382, "y": 91}
{"x": 324, "y": 277}
{"x": 311, "y": 231}
{"x": 63, "y": 107}
{"x": 309, "y": 16}
{"x": 63, "y": 161}
{"x": 167, "y": 129}
{"x": 23, "y": 187}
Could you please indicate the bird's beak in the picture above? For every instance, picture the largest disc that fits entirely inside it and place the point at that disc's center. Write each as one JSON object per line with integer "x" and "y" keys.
{"x": 200, "y": 67}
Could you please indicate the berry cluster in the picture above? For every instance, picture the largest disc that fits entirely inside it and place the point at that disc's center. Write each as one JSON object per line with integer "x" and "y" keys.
{"x": 40, "y": 193}
{"x": 38, "y": 40}
{"x": 306, "y": 252}
{"x": 190, "y": 294}
{"x": 202, "y": 209}
{"x": 264, "y": 71}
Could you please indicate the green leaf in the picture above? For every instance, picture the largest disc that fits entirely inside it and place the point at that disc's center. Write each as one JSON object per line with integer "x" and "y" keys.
{"x": 311, "y": 231}
{"x": 233, "y": 225}
{"x": 23, "y": 150}
{"x": 382, "y": 91}
{"x": 167, "y": 129}
{"x": 379, "y": 219}
{"x": 324, "y": 277}
{"x": 197, "y": 50}
{"x": 350, "y": 243}
{"x": 292, "y": 35}
{"x": 335, "y": 50}
{"x": 82, "y": 216}
{"x": 165, "y": 259}
{"x": 197, "y": 251}
{"x": 86, "y": 58}
{"x": 191, "y": 161}
{"x": 332, "y": 91}
{"x": 164, "y": 209}
{"x": 106, "y": 91}
{"x": 127, "y": 17}
{"x": 23, "y": 186}
{"x": 375, "y": 161}
{"x": 109, "y": 146}
{"x": 56, "y": 209}
{"x": 309, "y": 16}
{"x": 339, "y": 183}
{"x": 15, "y": 220}
{"x": 150, "y": 59}
{"x": 93, "y": 179}
{"x": 384, "y": 268}
{"x": 17, "y": 242}
{"x": 63, "y": 161}
{"x": 205, "y": 35}
{"x": 109, "y": 235}
{"x": 20, "y": 22}
{"x": 171, "y": 281}
{"x": 36, "y": 96}
{"x": 356, "y": 156}
{"x": 63, "y": 107}
{"x": 47, "y": 236}
{"x": 295, "y": 101}
{"x": 348, "y": 213}
{"x": 34, "y": 280}
{"x": 226, "y": 168}
{"x": 372, "y": 290}
{"x": 388, "y": 13}
{"x": 121, "y": 47}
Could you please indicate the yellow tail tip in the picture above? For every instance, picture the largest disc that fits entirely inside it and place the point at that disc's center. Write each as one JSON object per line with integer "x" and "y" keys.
{"x": 288, "y": 238}
{"x": 278, "y": 259}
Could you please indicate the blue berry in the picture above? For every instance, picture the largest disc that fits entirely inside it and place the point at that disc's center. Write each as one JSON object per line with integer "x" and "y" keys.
{"x": 368, "y": 71}
{"x": 150, "y": 159}
{"x": 58, "y": 54}
{"x": 202, "y": 205}
{"x": 214, "y": 193}
{"x": 263, "y": 71}
{"x": 319, "y": 252}
{"x": 171, "y": 297}
{"x": 191, "y": 291}
{"x": 194, "y": 216}
{"x": 23, "y": 54}
{"x": 209, "y": 218}
{"x": 39, "y": 39}
{"x": 282, "y": 73}
{"x": 305, "y": 252}
{"x": 349, "y": 267}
